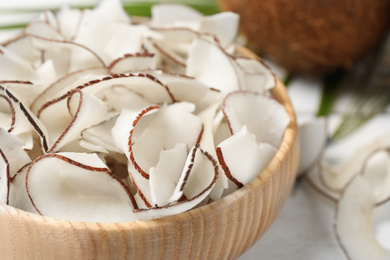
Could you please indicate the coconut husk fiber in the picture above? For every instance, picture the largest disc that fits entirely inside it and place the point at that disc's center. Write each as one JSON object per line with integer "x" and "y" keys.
{"x": 312, "y": 36}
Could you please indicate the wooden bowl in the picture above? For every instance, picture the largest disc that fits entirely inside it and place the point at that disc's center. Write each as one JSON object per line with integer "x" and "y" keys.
{"x": 221, "y": 230}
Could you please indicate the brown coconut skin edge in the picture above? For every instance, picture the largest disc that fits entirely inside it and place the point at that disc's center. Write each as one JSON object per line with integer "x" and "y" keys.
{"x": 220, "y": 230}
{"x": 315, "y": 36}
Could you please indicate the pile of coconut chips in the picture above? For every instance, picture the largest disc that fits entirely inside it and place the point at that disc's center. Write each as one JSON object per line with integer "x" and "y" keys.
{"x": 108, "y": 119}
{"x": 353, "y": 173}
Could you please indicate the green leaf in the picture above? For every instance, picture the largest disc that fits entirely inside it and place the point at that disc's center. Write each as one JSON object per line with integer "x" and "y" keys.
{"x": 142, "y": 8}
{"x": 329, "y": 92}
{"x": 353, "y": 121}
{"x": 287, "y": 80}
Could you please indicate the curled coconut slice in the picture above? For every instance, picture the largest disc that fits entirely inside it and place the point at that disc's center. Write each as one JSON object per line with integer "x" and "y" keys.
{"x": 312, "y": 141}
{"x": 12, "y": 150}
{"x": 98, "y": 138}
{"x": 215, "y": 24}
{"x": 66, "y": 83}
{"x": 193, "y": 185}
{"x": 14, "y": 67}
{"x": 199, "y": 173}
{"x": 146, "y": 85}
{"x": 133, "y": 62}
{"x": 207, "y": 143}
{"x": 124, "y": 126}
{"x": 118, "y": 97}
{"x": 150, "y": 133}
{"x": 43, "y": 29}
{"x": 166, "y": 174}
{"x": 242, "y": 158}
{"x": 241, "y": 107}
{"x": 166, "y": 59}
{"x": 170, "y": 125}
{"x": 68, "y": 56}
{"x": 119, "y": 38}
{"x": 175, "y": 15}
{"x": 22, "y": 47}
{"x": 180, "y": 16}
{"x": 189, "y": 89}
{"x": 210, "y": 64}
{"x": 376, "y": 171}
{"x": 24, "y": 90}
{"x": 344, "y": 158}
{"x": 141, "y": 185}
{"x": 65, "y": 118}
{"x": 23, "y": 120}
{"x": 68, "y": 21}
{"x": 18, "y": 196}
{"x": 255, "y": 75}
{"x": 78, "y": 186}
{"x": 354, "y": 222}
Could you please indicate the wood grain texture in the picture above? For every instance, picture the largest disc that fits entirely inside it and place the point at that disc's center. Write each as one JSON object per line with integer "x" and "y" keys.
{"x": 221, "y": 230}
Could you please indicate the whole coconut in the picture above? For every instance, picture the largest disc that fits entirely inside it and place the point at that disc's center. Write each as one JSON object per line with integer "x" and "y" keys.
{"x": 312, "y": 36}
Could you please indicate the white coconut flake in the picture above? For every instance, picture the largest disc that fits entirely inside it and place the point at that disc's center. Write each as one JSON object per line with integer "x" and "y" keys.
{"x": 210, "y": 64}
{"x": 376, "y": 170}
{"x": 13, "y": 67}
{"x": 194, "y": 187}
{"x": 164, "y": 177}
{"x": 255, "y": 75}
{"x": 170, "y": 125}
{"x": 66, "y": 83}
{"x": 18, "y": 196}
{"x": 119, "y": 97}
{"x": 312, "y": 141}
{"x": 23, "y": 120}
{"x": 142, "y": 187}
{"x": 124, "y": 126}
{"x": 175, "y": 15}
{"x": 79, "y": 111}
{"x": 68, "y": 21}
{"x": 43, "y": 29}
{"x": 207, "y": 143}
{"x": 354, "y": 222}
{"x": 242, "y": 158}
{"x": 215, "y": 24}
{"x": 61, "y": 187}
{"x": 12, "y": 148}
{"x": 98, "y": 138}
{"x": 241, "y": 107}
{"x": 133, "y": 62}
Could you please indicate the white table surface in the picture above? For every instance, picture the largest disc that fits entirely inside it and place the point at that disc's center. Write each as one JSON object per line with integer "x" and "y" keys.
{"x": 303, "y": 230}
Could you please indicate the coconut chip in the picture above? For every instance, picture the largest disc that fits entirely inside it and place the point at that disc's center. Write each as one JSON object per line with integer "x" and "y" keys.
{"x": 18, "y": 196}
{"x": 243, "y": 158}
{"x": 192, "y": 185}
{"x": 241, "y": 107}
{"x": 59, "y": 185}
{"x": 354, "y": 222}
{"x": 162, "y": 130}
